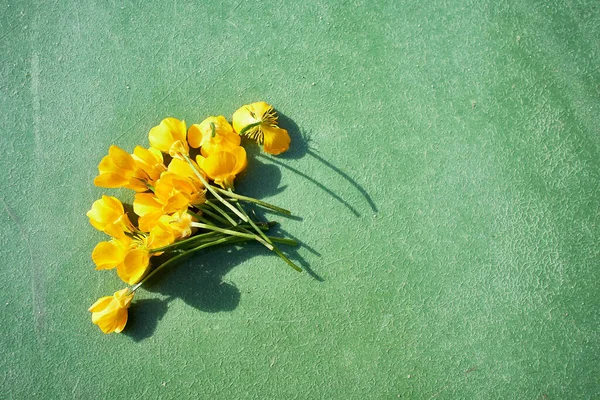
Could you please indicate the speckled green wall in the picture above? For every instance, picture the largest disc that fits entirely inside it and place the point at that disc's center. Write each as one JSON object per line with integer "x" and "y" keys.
{"x": 444, "y": 167}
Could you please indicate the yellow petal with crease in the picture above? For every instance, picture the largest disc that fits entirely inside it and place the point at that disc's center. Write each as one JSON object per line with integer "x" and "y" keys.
{"x": 276, "y": 140}
{"x": 134, "y": 266}
{"x": 107, "y": 255}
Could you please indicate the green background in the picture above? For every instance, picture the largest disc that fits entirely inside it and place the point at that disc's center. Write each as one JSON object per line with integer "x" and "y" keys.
{"x": 444, "y": 169}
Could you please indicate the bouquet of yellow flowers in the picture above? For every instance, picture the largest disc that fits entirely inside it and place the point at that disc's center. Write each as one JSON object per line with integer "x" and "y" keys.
{"x": 182, "y": 205}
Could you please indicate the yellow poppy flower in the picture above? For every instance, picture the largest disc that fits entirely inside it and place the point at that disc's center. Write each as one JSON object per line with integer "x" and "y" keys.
{"x": 223, "y": 166}
{"x": 110, "y": 312}
{"x": 118, "y": 169}
{"x": 149, "y": 163}
{"x": 108, "y": 213}
{"x": 213, "y": 134}
{"x": 258, "y": 121}
{"x": 169, "y": 137}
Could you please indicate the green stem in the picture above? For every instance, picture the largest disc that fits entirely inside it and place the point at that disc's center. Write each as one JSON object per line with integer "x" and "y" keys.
{"x": 274, "y": 248}
{"x": 195, "y": 238}
{"x": 227, "y": 231}
{"x": 253, "y": 225}
{"x": 221, "y": 211}
{"x": 214, "y": 216}
{"x": 287, "y": 260}
{"x": 252, "y": 200}
{"x": 290, "y": 242}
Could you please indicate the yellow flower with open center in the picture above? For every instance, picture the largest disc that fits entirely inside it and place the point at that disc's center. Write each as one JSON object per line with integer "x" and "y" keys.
{"x": 258, "y": 121}
{"x": 110, "y": 312}
{"x": 223, "y": 166}
{"x": 131, "y": 255}
{"x": 170, "y": 137}
{"x": 213, "y": 134}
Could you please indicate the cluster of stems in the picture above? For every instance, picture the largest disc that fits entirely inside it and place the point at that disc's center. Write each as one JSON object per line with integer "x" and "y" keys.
{"x": 222, "y": 219}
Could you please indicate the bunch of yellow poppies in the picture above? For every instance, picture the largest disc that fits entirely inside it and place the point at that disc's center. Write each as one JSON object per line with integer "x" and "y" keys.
{"x": 182, "y": 205}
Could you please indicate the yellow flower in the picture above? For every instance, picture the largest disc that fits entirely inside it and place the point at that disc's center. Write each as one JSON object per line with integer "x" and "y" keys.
{"x": 110, "y": 312}
{"x": 148, "y": 209}
{"x": 258, "y": 121}
{"x": 213, "y": 134}
{"x": 131, "y": 256}
{"x": 178, "y": 224}
{"x": 108, "y": 213}
{"x": 169, "y": 137}
{"x": 137, "y": 260}
{"x": 185, "y": 171}
{"x": 118, "y": 169}
{"x": 223, "y": 166}
{"x": 175, "y": 193}
{"x": 151, "y": 214}
{"x": 149, "y": 163}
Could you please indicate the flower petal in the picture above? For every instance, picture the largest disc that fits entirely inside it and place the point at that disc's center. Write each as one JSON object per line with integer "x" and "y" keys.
{"x": 110, "y": 180}
{"x": 134, "y": 266}
{"x": 101, "y": 303}
{"x": 107, "y": 255}
{"x": 276, "y": 140}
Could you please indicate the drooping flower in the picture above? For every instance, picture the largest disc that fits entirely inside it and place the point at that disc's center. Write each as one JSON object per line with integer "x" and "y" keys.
{"x": 170, "y": 137}
{"x": 108, "y": 213}
{"x": 258, "y": 121}
{"x": 118, "y": 169}
{"x": 223, "y": 166}
{"x": 110, "y": 312}
{"x": 213, "y": 134}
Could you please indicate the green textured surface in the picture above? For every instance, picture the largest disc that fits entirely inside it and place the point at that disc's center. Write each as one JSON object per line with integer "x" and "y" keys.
{"x": 449, "y": 194}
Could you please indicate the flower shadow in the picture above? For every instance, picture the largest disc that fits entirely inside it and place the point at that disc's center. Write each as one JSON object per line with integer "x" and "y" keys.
{"x": 301, "y": 147}
{"x": 199, "y": 282}
{"x": 143, "y": 317}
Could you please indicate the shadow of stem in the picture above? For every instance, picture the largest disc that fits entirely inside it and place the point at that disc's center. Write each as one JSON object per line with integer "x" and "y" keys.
{"x": 315, "y": 182}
